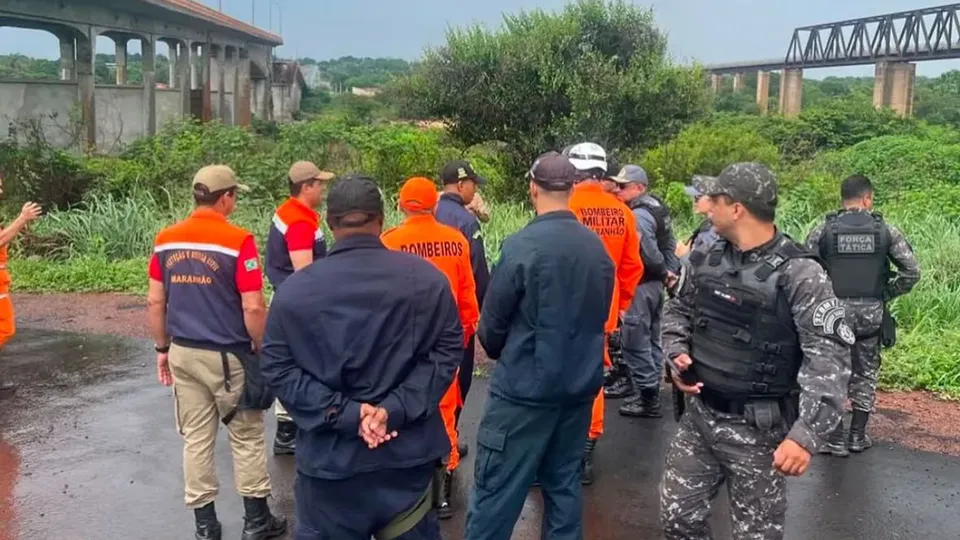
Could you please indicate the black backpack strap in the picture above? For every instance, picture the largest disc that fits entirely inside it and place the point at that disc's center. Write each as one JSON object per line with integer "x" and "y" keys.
{"x": 787, "y": 251}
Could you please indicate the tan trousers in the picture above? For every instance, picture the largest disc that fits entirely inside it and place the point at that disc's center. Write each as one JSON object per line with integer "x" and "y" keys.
{"x": 202, "y": 398}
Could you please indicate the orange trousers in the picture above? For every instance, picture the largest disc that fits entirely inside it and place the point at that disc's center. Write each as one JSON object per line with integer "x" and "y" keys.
{"x": 7, "y": 324}
{"x": 449, "y": 404}
{"x": 596, "y": 417}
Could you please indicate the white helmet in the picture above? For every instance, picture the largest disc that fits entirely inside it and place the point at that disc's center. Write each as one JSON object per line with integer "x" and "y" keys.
{"x": 586, "y": 156}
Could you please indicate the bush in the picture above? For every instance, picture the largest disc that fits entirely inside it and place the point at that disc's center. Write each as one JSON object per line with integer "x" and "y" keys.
{"x": 594, "y": 71}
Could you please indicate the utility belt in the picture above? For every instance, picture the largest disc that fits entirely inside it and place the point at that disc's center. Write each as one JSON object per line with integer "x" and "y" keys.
{"x": 255, "y": 394}
{"x": 406, "y": 521}
{"x": 762, "y": 413}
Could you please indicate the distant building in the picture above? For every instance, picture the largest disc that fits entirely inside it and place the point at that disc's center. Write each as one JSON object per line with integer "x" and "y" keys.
{"x": 366, "y": 92}
{"x": 288, "y": 87}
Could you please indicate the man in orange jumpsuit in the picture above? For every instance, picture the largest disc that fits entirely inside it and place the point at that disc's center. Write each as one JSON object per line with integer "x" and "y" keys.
{"x": 8, "y": 327}
{"x": 448, "y": 250}
{"x": 604, "y": 214}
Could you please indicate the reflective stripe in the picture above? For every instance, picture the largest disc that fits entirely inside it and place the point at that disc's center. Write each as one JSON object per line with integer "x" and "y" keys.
{"x": 2, "y": 296}
{"x": 282, "y": 228}
{"x": 197, "y": 246}
{"x": 279, "y": 224}
{"x": 3, "y": 267}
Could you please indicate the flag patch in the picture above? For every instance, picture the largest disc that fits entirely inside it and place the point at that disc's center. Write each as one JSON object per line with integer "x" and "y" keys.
{"x": 250, "y": 265}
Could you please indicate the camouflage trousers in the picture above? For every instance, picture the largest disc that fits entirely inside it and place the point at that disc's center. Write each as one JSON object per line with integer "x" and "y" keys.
{"x": 865, "y": 364}
{"x": 711, "y": 449}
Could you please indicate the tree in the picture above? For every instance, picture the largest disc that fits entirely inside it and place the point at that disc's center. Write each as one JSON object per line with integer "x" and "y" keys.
{"x": 595, "y": 71}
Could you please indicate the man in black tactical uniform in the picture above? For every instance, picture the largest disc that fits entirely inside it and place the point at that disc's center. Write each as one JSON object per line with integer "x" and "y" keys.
{"x": 640, "y": 335}
{"x": 857, "y": 246}
{"x": 757, "y": 340}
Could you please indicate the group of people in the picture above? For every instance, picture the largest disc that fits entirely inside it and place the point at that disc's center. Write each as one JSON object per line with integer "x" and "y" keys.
{"x": 367, "y": 348}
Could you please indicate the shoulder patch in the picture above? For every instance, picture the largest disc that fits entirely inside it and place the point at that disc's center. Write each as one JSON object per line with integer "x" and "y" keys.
{"x": 828, "y": 314}
{"x": 251, "y": 264}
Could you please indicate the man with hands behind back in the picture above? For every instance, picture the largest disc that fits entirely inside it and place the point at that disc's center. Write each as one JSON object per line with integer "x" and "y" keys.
{"x": 361, "y": 368}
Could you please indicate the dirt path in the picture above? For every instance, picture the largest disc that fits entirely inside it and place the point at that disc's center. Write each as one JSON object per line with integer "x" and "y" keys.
{"x": 915, "y": 419}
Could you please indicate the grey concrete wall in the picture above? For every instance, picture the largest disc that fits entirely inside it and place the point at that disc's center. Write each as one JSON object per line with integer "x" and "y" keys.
{"x": 215, "y": 104}
{"x": 168, "y": 107}
{"x": 286, "y": 101}
{"x": 50, "y": 103}
{"x": 119, "y": 116}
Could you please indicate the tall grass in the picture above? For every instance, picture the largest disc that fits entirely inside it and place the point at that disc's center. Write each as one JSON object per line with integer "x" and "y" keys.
{"x": 105, "y": 247}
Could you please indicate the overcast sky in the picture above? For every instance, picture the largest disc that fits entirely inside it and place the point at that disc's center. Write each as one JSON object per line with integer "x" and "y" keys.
{"x": 707, "y": 30}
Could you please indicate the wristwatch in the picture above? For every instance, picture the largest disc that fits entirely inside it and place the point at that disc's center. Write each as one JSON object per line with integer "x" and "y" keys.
{"x": 162, "y": 350}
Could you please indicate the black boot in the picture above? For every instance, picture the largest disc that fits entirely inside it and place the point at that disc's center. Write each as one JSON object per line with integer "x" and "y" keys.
{"x": 586, "y": 471}
{"x": 445, "y": 503}
{"x": 859, "y": 441}
{"x": 620, "y": 388}
{"x": 259, "y": 523}
{"x": 285, "y": 441}
{"x": 646, "y": 405}
{"x": 208, "y": 528}
{"x": 836, "y": 444}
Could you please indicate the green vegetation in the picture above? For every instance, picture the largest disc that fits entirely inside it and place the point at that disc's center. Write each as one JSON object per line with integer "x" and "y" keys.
{"x": 17, "y": 66}
{"x": 105, "y": 211}
{"x": 937, "y": 99}
{"x": 348, "y": 71}
{"x": 594, "y": 71}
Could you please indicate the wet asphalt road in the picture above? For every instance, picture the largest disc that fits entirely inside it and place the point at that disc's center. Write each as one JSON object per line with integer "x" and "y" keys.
{"x": 89, "y": 451}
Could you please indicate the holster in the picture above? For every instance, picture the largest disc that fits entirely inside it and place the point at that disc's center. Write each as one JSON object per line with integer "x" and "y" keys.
{"x": 256, "y": 394}
{"x": 763, "y": 414}
{"x": 888, "y": 329}
{"x": 679, "y": 403}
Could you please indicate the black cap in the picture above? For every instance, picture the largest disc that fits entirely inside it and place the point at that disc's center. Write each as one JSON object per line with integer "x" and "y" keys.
{"x": 459, "y": 170}
{"x": 354, "y": 194}
{"x": 553, "y": 172}
{"x": 745, "y": 183}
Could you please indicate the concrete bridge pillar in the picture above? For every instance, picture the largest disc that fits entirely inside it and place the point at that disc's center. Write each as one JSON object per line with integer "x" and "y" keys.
{"x": 86, "y": 86}
{"x": 243, "y": 96}
{"x": 196, "y": 67}
{"x": 893, "y": 87}
{"x": 738, "y": 83}
{"x": 206, "y": 82}
{"x": 184, "y": 64}
{"x": 716, "y": 80}
{"x": 763, "y": 91}
{"x": 791, "y": 92}
{"x": 68, "y": 53}
{"x": 121, "y": 59}
{"x": 148, "y": 48}
{"x": 222, "y": 111}
{"x": 174, "y": 59}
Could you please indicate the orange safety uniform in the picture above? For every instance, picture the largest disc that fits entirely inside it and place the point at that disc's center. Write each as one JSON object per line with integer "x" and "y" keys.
{"x": 613, "y": 221}
{"x": 448, "y": 250}
{"x": 8, "y": 326}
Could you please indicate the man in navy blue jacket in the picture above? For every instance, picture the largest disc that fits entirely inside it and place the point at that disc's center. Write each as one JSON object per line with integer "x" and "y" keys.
{"x": 362, "y": 367}
{"x": 544, "y": 322}
{"x": 460, "y": 183}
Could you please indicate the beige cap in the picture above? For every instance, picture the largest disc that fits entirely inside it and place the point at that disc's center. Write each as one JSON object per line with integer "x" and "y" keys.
{"x": 303, "y": 171}
{"x": 218, "y": 178}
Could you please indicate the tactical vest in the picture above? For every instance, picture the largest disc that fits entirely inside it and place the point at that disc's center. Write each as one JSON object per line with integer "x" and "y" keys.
{"x": 854, "y": 247}
{"x": 661, "y": 214}
{"x": 744, "y": 342}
